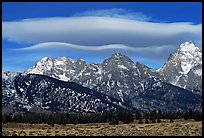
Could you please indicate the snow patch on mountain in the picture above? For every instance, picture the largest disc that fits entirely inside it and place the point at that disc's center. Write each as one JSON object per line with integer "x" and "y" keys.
{"x": 63, "y": 77}
{"x": 198, "y": 72}
{"x": 186, "y": 67}
{"x": 122, "y": 67}
{"x": 188, "y": 46}
{"x": 120, "y": 74}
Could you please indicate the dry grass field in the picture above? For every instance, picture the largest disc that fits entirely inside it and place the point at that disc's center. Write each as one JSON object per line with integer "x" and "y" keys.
{"x": 165, "y": 128}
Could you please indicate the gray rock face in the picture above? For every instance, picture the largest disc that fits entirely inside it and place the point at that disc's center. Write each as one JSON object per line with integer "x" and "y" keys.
{"x": 31, "y": 92}
{"x": 117, "y": 76}
{"x": 184, "y": 68}
{"x": 8, "y": 88}
{"x": 134, "y": 84}
{"x": 164, "y": 96}
{"x": 40, "y": 93}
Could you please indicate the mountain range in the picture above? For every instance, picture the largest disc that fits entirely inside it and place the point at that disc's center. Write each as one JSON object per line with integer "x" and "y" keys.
{"x": 68, "y": 85}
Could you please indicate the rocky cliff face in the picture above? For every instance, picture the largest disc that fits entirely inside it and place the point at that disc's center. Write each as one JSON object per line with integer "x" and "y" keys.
{"x": 176, "y": 86}
{"x": 184, "y": 68}
{"x": 30, "y": 92}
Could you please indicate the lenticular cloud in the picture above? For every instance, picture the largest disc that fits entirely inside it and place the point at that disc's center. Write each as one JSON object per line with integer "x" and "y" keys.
{"x": 98, "y": 31}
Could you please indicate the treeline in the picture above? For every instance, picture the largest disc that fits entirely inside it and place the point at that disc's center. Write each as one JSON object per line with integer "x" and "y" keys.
{"x": 68, "y": 118}
{"x": 154, "y": 116}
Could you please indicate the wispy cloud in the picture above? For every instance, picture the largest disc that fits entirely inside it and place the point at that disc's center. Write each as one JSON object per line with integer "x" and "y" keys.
{"x": 50, "y": 47}
{"x": 116, "y": 13}
{"x": 60, "y": 45}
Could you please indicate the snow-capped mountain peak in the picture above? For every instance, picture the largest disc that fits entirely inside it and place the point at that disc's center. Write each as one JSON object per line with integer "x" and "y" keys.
{"x": 184, "y": 67}
{"x": 119, "y": 77}
{"x": 63, "y": 58}
{"x": 45, "y": 59}
{"x": 117, "y": 55}
{"x": 80, "y": 59}
{"x": 188, "y": 46}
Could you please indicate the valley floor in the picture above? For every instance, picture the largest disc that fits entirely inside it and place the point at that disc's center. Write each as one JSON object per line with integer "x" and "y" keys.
{"x": 165, "y": 128}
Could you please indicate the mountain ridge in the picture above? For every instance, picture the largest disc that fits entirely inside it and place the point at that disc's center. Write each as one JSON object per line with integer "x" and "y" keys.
{"x": 136, "y": 84}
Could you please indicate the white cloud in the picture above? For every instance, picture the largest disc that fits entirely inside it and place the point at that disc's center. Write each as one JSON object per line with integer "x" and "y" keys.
{"x": 117, "y": 13}
{"x": 62, "y": 45}
{"x": 50, "y": 47}
{"x": 100, "y": 31}
{"x": 92, "y": 35}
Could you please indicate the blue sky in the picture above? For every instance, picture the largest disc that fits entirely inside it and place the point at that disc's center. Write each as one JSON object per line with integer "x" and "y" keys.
{"x": 145, "y": 31}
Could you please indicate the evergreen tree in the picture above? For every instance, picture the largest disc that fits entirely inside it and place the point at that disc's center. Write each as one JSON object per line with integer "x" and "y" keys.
{"x": 178, "y": 115}
{"x": 158, "y": 120}
{"x": 140, "y": 119}
{"x": 146, "y": 121}
{"x": 153, "y": 120}
{"x": 6, "y": 118}
{"x": 171, "y": 120}
{"x": 159, "y": 113}
{"x": 114, "y": 121}
{"x": 136, "y": 115}
{"x": 153, "y": 115}
{"x": 186, "y": 115}
{"x": 197, "y": 115}
{"x": 190, "y": 113}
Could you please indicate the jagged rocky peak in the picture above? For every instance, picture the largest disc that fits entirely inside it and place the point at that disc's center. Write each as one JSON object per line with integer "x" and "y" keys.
{"x": 80, "y": 61}
{"x": 188, "y": 46}
{"x": 42, "y": 66}
{"x": 138, "y": 64}
{"x": 119, "y": 56}
{"x": 186, "y": 56}
{"x": 184, "y": 67}
{"x": 45, "y": 59}
{"x": 118, "y": 59}
{"x": 63, "y": 58}
{"x": 118, "y": 77}
{"x": 65, "y": 61}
